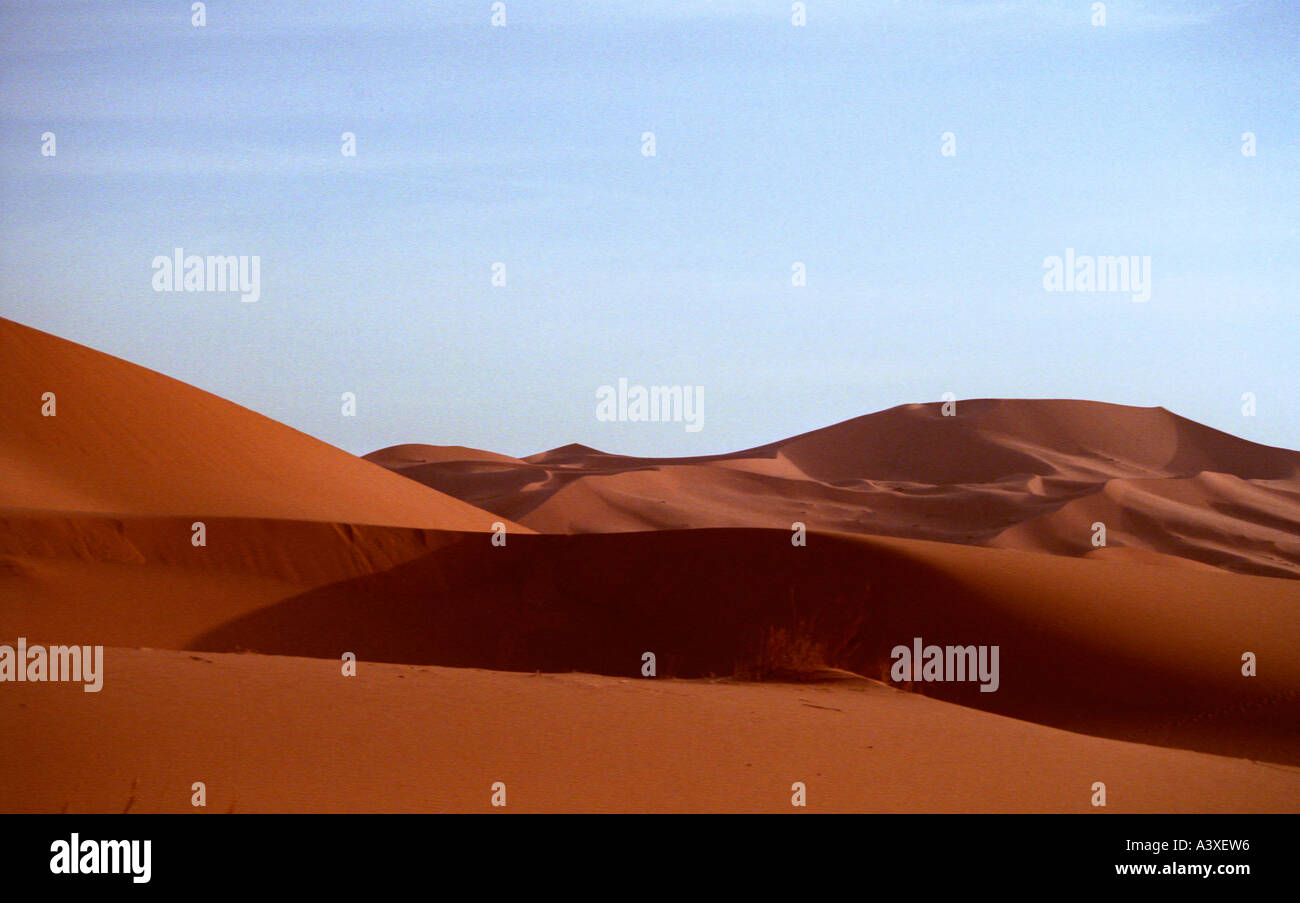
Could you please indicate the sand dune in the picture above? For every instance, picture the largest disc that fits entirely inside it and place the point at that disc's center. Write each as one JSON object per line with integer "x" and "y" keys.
{"x": 1024, "y": 474}
{"x": 745, "y": 602}
{"x": 1113, "y": 648}
{"x": 126, "y": 440}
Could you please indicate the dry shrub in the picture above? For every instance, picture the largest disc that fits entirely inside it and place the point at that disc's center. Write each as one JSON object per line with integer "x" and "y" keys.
{"x": 783, "y": 654}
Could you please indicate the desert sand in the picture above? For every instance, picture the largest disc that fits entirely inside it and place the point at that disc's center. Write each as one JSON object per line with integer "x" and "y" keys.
{"x": 522, "y": 663}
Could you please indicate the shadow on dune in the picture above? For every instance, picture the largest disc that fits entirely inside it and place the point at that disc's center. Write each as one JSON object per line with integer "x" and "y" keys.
{"x": 746, "y": 602}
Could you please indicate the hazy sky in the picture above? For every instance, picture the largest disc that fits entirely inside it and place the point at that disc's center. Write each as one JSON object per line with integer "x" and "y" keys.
{"x": 775, "y": 144}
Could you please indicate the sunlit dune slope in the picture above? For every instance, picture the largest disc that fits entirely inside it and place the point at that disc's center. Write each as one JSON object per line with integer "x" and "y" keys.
{"x": 126, "y": 440}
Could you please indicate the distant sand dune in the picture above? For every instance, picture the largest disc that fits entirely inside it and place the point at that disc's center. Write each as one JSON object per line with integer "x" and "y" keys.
{"x": 1024, "y": 474}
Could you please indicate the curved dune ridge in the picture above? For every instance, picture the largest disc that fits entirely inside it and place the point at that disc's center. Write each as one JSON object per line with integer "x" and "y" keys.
{"x": 127, "y": 440}
{"x": 747, "y": 603}
{"x": 1024, "y": 474}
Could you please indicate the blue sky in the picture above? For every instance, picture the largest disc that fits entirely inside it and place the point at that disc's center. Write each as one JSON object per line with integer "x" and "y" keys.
{"x": 774, "y": 144}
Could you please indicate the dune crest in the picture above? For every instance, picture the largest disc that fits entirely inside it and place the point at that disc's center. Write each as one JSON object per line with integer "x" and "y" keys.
{"x": 126, "y": 440}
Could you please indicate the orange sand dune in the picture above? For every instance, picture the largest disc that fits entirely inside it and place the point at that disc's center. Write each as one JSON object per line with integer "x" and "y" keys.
{"x": 276, "y": 734}
{"x": 126, "y": 440}
{"x": 1024, "y": 474}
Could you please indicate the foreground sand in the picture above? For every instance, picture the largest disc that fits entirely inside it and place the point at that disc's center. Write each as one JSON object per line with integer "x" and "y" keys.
{"x": 272, "y": 733}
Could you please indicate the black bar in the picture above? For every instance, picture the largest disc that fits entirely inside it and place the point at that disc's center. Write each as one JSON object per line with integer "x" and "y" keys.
{"x": 334, "y": 852}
